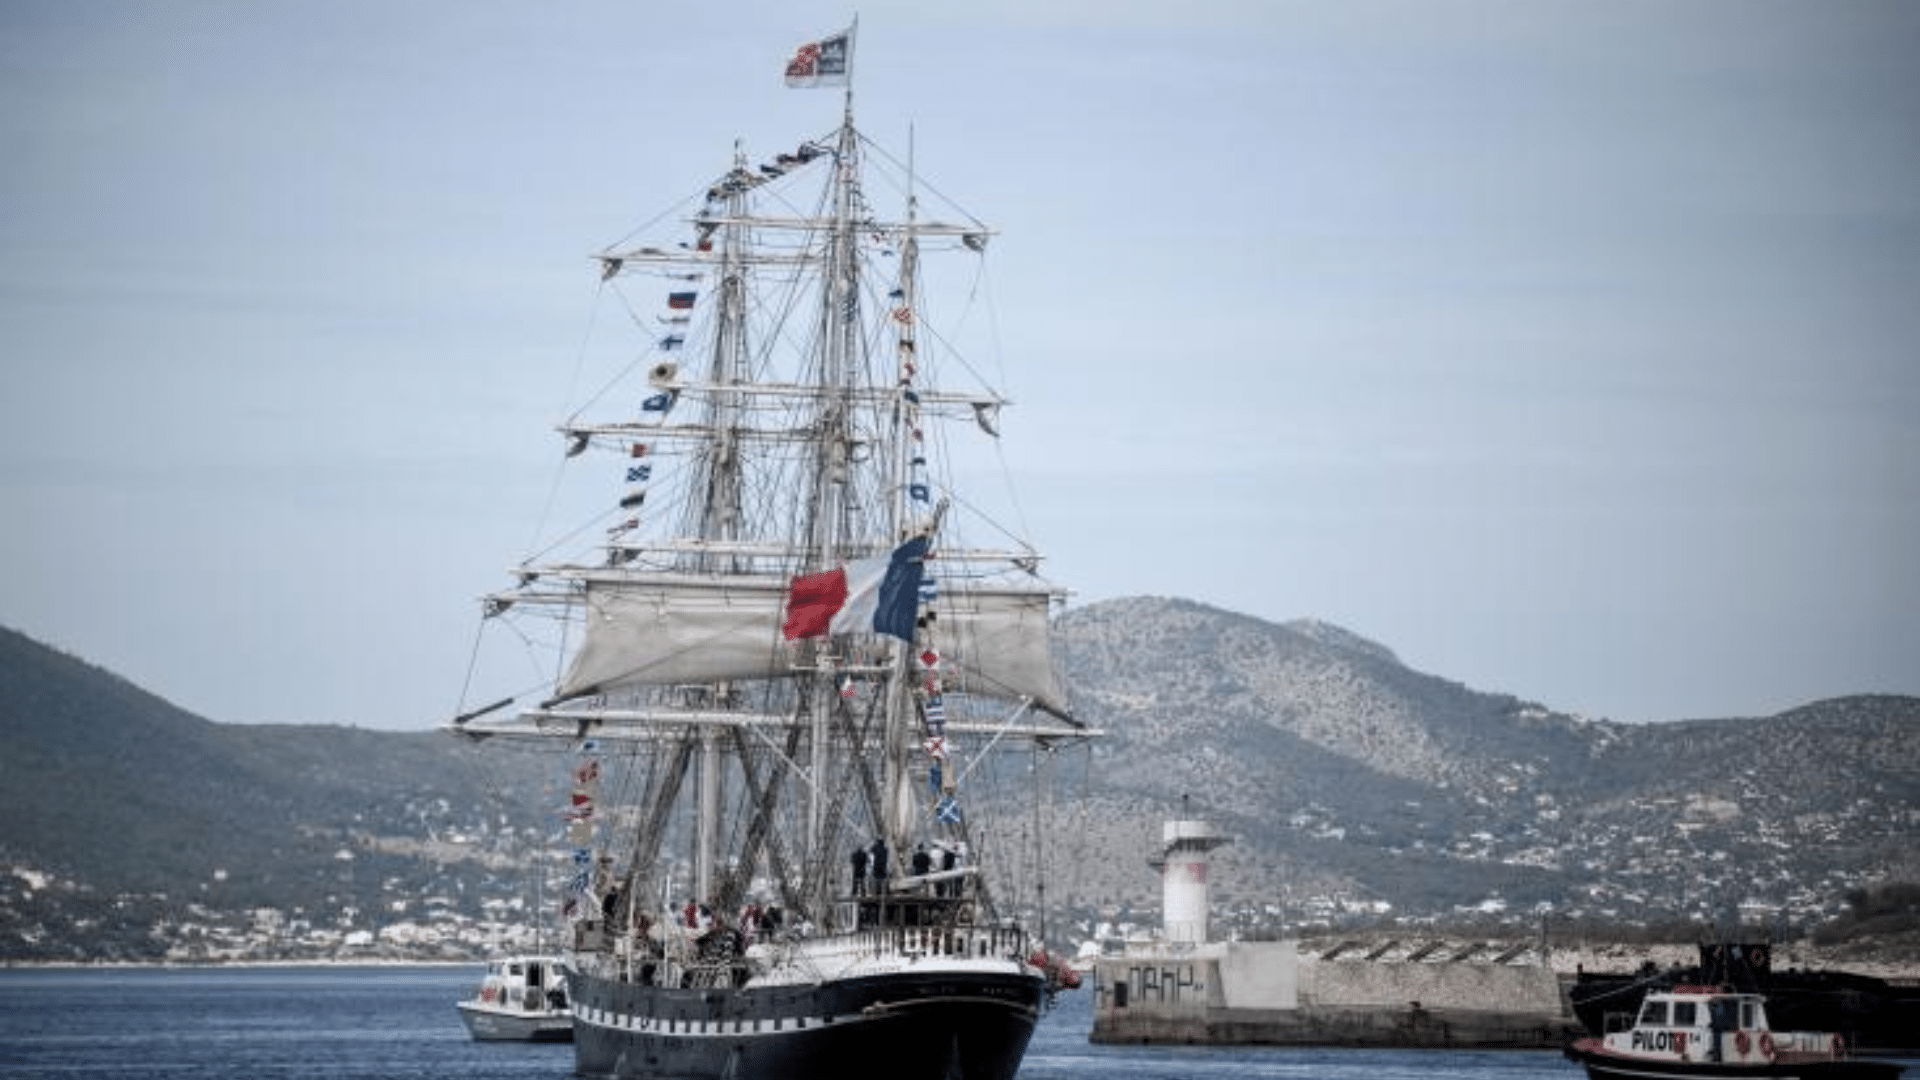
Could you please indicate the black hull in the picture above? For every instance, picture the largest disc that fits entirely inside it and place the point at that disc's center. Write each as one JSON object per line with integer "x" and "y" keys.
{"x": 933, "y": 1025}
{"x": 1605, "y": 1066}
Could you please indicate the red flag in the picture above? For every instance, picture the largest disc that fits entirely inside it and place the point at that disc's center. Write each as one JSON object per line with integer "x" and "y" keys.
{"x": 813, "y": 601}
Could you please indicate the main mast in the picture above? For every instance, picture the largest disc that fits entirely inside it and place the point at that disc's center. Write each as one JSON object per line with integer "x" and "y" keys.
{"x": 830, "y": 528}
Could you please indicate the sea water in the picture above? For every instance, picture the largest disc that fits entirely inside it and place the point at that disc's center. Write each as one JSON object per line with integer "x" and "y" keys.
{"x": 399, "y": 1023}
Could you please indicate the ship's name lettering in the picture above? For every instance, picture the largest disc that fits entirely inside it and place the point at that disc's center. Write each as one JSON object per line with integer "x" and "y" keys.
{"x": 1008, "y": 993}
{"x": 1675, "y": 1041}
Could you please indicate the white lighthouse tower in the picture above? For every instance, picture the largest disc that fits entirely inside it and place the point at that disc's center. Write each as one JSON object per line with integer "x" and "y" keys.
{"x": 1183, "y": 877}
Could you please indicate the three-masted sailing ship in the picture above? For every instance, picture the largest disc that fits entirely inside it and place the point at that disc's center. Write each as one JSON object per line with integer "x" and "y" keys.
{"x": 786, "y": 666}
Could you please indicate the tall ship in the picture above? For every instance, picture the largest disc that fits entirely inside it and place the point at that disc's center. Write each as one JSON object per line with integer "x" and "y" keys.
{"x": 797, "y": 682}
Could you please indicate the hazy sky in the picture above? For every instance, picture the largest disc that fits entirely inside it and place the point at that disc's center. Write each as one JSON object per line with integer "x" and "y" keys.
{"x": 1569, "y": 349}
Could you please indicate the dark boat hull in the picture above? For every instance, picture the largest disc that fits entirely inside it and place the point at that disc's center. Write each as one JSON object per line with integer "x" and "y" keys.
{"x": 1874, "y": 1015}
{"x": 1602, "y": 1065}
{"x": 936, "y": 1025}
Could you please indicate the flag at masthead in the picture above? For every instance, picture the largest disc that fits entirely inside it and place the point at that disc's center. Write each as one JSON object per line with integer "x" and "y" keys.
{"x": 827, "y": 62}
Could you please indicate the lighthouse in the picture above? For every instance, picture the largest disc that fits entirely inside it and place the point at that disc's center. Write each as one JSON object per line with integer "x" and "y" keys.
{"x": 1182, "y": 863}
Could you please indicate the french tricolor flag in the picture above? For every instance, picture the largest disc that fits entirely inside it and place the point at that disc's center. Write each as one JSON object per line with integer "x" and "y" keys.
{"x": 878, "y": 595}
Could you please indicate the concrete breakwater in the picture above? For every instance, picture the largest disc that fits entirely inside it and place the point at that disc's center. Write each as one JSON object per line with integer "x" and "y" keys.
{"x": 1424, "y": 994}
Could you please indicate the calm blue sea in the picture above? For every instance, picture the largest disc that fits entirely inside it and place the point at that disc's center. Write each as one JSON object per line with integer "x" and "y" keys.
{"x": 398, "y": 1023}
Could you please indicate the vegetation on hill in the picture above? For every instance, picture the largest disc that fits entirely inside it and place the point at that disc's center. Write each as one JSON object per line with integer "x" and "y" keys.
{"x": 1350, "y": 782}
{"x": 149, "y": 807}
{"x": 1354, "y": 789}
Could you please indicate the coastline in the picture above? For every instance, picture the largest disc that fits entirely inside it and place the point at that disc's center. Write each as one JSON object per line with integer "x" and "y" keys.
{"x": 1895, "y": 959}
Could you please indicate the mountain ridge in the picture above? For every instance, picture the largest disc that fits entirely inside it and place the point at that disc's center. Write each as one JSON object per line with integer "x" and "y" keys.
{"x": 125, "y": 791}
{"x": 1352, "y": 785}
{"x": 1389, "y": 767}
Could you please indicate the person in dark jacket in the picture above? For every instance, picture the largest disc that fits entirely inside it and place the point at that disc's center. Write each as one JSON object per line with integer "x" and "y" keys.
{"x": 877, "y": 865}
{"x": 949, "y": 859}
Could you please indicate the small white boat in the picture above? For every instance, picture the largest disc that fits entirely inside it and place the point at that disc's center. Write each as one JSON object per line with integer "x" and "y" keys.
{"x": 1696, "y": 1032}
{"x": 521, "y": 999}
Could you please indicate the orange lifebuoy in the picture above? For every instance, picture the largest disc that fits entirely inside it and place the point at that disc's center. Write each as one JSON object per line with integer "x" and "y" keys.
{"x": 1766, "y": 1045}
{"x": 1839, "y": 1045}
{"x": 486, "y": 993}
{"x": 1741, "y": 1043}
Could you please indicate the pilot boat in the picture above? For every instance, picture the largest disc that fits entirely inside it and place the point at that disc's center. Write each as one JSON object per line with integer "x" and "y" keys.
{"x": 520, "y": 999}
{"x": 1706, "y": 1031}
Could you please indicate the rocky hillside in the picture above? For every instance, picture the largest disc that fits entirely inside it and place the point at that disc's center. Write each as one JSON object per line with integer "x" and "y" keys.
{"x": 106, "y": 785}
{"x": 1345, "y": 774}
{"x": 1354, "y": 787}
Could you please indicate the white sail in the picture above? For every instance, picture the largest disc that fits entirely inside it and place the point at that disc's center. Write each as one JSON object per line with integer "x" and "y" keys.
{"x": 666, "y": 630}
{"x": 998, "y": 642}
{"x": 669, "y": 630}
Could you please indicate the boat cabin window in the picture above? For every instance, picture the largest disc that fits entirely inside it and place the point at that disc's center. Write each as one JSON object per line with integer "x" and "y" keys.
{"x": 1683, "y": 1013}
{"x": 514, "y": 969}
{"x": 1653, "y": 1014}
{"x": 1746, "y": 1015}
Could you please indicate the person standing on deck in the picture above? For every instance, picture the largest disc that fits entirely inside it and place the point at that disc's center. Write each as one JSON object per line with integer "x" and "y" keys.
{"x": 859, "y": 871}
{"x": 949, "y": 860}
{"x": 878, "y": 864}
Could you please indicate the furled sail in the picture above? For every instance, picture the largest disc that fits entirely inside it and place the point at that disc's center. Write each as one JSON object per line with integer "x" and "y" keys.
{"x": 670, "y": 629}
{"x": 667, "y": 629}
{"x": 997, "y": 639}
